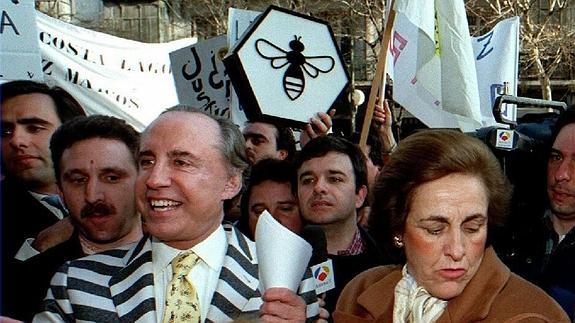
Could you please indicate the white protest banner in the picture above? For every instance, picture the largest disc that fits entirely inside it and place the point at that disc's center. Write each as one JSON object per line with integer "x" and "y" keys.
{"x": 19, "y": 53}
{"x": 200, "y": 76}
{"x": 496, "y": 62}
{"x": 238, "y": 22}
{"x": 434, "y": 74}
{"x": 107, "y": 74}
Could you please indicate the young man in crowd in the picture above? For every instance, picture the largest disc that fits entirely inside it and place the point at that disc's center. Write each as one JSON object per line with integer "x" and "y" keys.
{"x": 544, "y": 252}
{"x": 270, "y": 188}
{"x": 331, "y": 186}
{"x": 33, "y": 216}
{"x": 31, "y": 112}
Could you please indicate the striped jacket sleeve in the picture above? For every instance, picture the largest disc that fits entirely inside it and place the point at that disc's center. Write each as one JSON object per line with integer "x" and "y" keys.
{"x": 306, "y": 291}
{"x": 56, "y": 306}
{"x": 79, "y": 290}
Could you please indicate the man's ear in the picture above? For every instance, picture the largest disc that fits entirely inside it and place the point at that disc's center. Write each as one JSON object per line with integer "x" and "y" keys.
{"x": 233, "y": 186}
{"x": 360, "y": 196}
{"x": 282, "y": 154}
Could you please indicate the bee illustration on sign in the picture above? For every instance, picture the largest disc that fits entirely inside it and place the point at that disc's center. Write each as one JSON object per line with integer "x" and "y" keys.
{"x": 294, "y": 79}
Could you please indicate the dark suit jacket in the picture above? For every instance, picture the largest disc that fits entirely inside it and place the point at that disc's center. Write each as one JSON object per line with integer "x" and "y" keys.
{"x": 345, "y": 268}
{"x": 23, "y": 217}
{"x": 35, "y": 275}
{"x": 118, "y": 286}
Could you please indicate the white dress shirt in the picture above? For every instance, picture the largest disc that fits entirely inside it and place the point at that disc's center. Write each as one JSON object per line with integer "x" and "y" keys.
{"x": 204, "y": 276}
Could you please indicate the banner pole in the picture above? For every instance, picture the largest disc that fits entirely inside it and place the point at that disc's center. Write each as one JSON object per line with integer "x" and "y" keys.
{"x": 378, "y": 83}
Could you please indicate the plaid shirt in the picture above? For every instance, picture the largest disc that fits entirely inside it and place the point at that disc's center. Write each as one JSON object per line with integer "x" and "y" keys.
{"x": 553, "y": 239}
{"x": 356, "y": 247}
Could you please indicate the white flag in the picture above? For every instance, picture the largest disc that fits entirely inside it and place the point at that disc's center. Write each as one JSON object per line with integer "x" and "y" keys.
{"x": 434, "y": 66}
{"x": 496, "y": 61}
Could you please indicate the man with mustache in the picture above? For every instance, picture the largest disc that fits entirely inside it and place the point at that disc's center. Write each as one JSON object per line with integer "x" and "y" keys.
{"x": 331, "y": 186}
{"x": 544, "y": 252}
{"x": 95, "y": 164}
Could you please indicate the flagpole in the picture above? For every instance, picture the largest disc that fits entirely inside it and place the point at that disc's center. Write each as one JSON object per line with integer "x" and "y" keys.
{"x": 378, "y": 83}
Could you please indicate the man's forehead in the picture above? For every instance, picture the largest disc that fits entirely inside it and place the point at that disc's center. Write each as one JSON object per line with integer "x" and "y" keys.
{"x": 332, "y": 162}
{"x": 98, "y": 149}
{"x": 262, "y": 190}
{"x": 565, "y": 138}
{"x": 21, "y": 108}
{"x": 180, "y": 133}
{"x": 95, "y": 144}
{"x": 184, "y": 123}
{"x": 260, "y": 128}
{"x": 270, "y": 182}
{"x": 106, "y": 166}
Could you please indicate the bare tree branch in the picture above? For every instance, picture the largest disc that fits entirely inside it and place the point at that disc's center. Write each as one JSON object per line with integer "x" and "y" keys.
{"x": 547, "y": 43}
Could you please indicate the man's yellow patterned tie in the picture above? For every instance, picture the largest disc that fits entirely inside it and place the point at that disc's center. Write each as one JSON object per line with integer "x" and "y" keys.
{"x": 182, "y": 303}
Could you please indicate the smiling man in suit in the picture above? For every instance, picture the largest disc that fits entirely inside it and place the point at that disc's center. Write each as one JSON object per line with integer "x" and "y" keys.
{"x": 189, "y": 163}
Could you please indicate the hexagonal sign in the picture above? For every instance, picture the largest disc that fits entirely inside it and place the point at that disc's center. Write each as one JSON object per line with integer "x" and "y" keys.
{"x": 286, "y": 67}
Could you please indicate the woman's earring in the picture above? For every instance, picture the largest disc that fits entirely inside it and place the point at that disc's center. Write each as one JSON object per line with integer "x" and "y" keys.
{"x": 397, "y": 242}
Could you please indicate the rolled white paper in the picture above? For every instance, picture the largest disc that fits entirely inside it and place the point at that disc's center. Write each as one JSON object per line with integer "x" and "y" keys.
{"x": 283, "y": 256}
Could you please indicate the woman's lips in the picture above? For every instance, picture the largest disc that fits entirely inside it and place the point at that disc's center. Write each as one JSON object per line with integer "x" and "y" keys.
{"x": 452, "y": 273}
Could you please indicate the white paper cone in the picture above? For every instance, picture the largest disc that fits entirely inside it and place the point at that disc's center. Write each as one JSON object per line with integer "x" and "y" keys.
{"x": 283, "y": 256}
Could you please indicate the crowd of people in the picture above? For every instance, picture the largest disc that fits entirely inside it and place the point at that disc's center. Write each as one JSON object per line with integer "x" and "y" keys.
{"x": 102, "y": 223}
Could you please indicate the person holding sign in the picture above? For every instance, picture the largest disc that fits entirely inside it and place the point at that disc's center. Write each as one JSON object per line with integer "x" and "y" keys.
{"x": 379, "y": 146}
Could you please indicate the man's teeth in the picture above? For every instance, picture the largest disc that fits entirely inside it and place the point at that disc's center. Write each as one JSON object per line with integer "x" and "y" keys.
{"x": 163, "y": 203}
